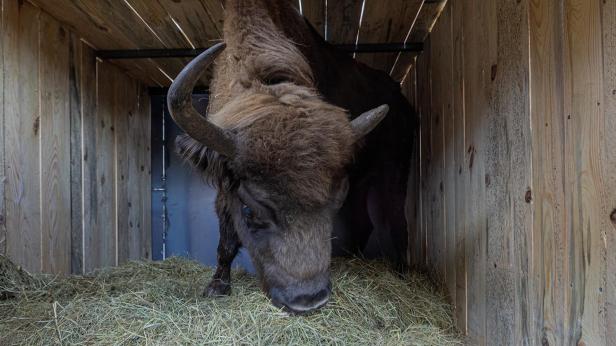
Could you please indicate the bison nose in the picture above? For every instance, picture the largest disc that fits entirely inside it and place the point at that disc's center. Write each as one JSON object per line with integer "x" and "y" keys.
{"x": 301, "y": 303}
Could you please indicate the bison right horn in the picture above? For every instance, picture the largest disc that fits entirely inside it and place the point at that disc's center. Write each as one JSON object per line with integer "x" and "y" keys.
{"x": 186, "y": 116}
{"x": 367, "y": 121}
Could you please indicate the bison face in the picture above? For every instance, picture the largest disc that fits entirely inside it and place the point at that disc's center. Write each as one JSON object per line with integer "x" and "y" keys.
{"x": 280, "y": 154}
{"x": 289, "y": 244}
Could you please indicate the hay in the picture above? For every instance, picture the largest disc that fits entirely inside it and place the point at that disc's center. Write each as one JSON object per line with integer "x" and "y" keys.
{"x": 161, "y": 303}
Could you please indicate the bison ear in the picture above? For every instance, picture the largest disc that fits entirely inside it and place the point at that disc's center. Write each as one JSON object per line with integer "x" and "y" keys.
{"x": 367, "y": 121}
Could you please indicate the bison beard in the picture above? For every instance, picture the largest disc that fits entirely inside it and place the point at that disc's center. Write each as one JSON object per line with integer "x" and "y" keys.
{"x": 280, "y": 149}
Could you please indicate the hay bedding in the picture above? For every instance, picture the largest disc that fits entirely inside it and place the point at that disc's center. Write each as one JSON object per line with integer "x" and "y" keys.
{"x": 161, "y": 303}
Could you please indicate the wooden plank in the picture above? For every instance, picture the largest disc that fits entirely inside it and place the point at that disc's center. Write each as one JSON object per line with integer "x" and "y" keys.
{"x": 382, "y": 24}
{"x": 479, "y": 55}
{"x": 461, "y": 174}
{"x": 549, "y": 230}
{"x": 314, "y": 11}
{"x": 584, "y": 184}
{"x": 75, "y": 93}
{"x": 161, "y": 23}
{"x": 134, "y": 176}
{"x": 342, "y": 21}
{"x": 423, "y": 107}
{"x": 110, "y": 25}
{"x": 2, "y": 157}
{"x": 145, "y": 172}
{"x": 201, "y": 20}
{"x": 105, "y": 237}
{"x": 425, "y": 20}
{"x": 125, "y": 95}
{"x": 445, "y": 38}
{"x": 509, "y": 269}
{"x": 21, "y": 56}
{"x": 55, "y": 146}
{"x": 609, "y": 162}
{"x": 413, "y": 200}
{"x": 88, "y": 82}
{"x": 441, "y": 94}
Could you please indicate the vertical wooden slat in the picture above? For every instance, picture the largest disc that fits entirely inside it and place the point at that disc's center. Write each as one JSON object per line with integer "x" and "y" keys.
{"x": 461, "y": 173}
{"x": 583, "y": 131}
{"x": 124, "y": 96}
{"x": 510, "y": 280}
{"x": 88, "y": 82}
{"x": 549, "y": 237}
{"x": 23, "y": 204}
{"x": 55, "y": 146}
{"x": 2, "y": 129}
{"x": 105, "y": 237}
{"x": 134, "y": 185}
{"x": 423, "y": 107}
{"x": 609, "y": 163}
{"x": 479, "y": 55}
{"x": 75, "y": 94}
{"x": 144, "y": 168}
{"x": 441, "y": 95}
{"x": 449, "y": 171}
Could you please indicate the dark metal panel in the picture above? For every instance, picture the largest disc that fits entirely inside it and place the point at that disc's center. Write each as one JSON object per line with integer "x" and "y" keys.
{"x": 192, "y": 228}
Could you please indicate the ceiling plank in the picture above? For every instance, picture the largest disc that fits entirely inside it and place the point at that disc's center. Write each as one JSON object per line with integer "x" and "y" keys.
{"x": 314, "y": 11}
{"x": 342, "y": 20}
{"x": 110, "y": 24}
{"x": 384, "y": 24}
{"x": 201, "y": 20}
{"x": 429, "y": 13}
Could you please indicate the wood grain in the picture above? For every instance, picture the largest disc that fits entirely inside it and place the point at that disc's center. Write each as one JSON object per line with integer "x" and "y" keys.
{"x": 583, "y": 174}
{"x": 460, "y": 173}
{"x": 549, "y": 230}
{"x": 55, "y": 146}
{"x": 608, "y": 160}
{"x": 105, "y": 236}
{"x": 76, "y": 176}
{"x": 125, "y": 97}
{"x": 88, "y": 82}
{"x": 441, "y": 96}
{"x": 2, "y": 154}
{"x": 510, "y": 279}
{"x": 95, "y": 22}
{"x": 145, "y": 172}
{"x": 21, "y": 102}
{"x": 479, "y": 55}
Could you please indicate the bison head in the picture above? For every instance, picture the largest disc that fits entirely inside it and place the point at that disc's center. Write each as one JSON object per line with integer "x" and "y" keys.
{"x": 282, "y": 151}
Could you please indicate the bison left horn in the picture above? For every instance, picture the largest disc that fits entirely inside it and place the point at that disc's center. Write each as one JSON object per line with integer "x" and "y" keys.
{"x": 186, "y": 116}
{"x": 367, "y": 121}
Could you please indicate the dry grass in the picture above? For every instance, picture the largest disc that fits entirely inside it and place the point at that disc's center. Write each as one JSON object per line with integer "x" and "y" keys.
{"x": 161, "y": 303}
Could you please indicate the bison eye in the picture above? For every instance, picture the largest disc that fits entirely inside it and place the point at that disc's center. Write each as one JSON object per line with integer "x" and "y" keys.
{"x": 274, "y": 80}
{"x": 246, "y": 211}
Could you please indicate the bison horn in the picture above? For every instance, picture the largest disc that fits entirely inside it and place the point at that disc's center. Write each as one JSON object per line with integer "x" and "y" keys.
{"x": 186, "y": 116}
{"x": 367, "y": 121}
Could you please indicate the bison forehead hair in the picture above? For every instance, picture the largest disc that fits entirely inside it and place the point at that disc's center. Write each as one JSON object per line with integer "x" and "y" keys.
{"x": 287, "y": 138}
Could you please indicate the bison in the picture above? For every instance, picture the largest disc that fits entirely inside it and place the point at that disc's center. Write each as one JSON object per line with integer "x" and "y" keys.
{"x": 297, "y": 143}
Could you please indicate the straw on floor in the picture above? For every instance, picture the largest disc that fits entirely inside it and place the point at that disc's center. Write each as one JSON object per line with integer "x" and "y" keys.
{"x": 147, "y": 302}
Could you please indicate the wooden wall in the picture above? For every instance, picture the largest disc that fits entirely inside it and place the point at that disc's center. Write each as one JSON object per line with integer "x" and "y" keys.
{"x": 75, "y": 156}
{"x": 516, "y": 213}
